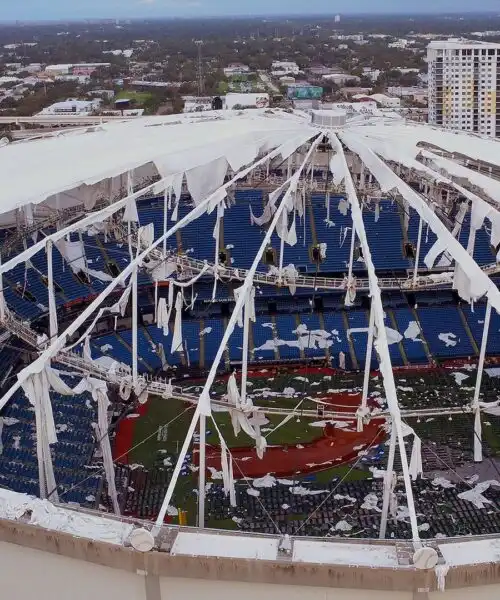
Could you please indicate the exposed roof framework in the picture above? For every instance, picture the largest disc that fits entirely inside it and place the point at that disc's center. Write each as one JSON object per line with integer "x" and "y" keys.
{"x": 203, "y": 153}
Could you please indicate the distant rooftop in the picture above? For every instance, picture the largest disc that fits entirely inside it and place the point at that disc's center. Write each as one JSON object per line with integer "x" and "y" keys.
{"x": 461, "y": 43}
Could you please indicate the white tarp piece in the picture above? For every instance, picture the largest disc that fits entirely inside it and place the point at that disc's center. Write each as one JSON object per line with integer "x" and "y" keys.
{"x": 74, "y": 253}
{"x": 99, "y": 391}
{"x": 37, "y": 387}
{"x": 177, "y": 336}
{"x": 130, "y": 214}
{"x": 266, "y": 216}
{"x": 146, "y": 235}
{"x": 191, "y": 142}
{"x": 475, "y": 495}
{"x": 204, "y": 180}
{"x": 163, "y": 315}
{"x": 478, "y": 284}
{"x": 14, "y": 506}
{"x": 51, "y": 293}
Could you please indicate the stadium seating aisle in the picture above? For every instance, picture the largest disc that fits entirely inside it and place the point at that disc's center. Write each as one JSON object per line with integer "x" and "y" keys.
{"x": 441, "y": 327}
{"x": 191, "y": 333}
{"x": 334, "y": 324}
{"x": 314, "y": 347}
{"x": 158, "y": 338}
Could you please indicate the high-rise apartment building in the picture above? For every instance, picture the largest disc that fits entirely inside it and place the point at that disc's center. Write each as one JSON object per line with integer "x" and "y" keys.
{"x": 464, "y": 85}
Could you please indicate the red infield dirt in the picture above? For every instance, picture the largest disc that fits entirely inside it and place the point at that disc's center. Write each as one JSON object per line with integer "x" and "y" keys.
{"x": 335, "y": 447}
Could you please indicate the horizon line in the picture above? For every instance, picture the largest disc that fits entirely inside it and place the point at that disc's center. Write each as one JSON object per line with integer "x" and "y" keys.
{"x": 294, "y": 15}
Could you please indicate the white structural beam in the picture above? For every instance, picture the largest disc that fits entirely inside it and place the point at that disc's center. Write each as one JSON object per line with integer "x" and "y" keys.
{"x": 58, "y": 344}
{"x": 203, "y": 406}
{"x": 381, "y": 342}
{"x": 388, "y": 478}
{"x": 202, "y": 472}
{"x": 368, "y": 361}
{"x": 51, "y": 293}
{"x": 417, "y": 256}
{"x": 135, "y": 348}
{"x": 478, "y": 447}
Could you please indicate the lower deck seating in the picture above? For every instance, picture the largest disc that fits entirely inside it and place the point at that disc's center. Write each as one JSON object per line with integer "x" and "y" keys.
{"x": 305, "y": 334}
{"x": 73, "y": 416}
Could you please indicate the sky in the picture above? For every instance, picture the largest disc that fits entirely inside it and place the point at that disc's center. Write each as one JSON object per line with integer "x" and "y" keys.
{"x": 66, "y": 9}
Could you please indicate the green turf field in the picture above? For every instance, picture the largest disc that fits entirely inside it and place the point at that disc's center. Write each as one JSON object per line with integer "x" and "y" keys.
{"x": 150, "y": 449}
{"x": 414, "y": 389}
{"x": 139, "y": 97}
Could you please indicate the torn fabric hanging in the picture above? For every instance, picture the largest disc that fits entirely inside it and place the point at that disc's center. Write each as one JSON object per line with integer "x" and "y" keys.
{"x": 145, "y": 236}
{"x": 163, "y": 315}
{"x": 415, "y": 467}
{"x": 99, "y": 390}
{"x": 350, "y": 296}
{"x": 290, "y": 275}
{"x": 202, "y": 181}
{"x": 36, "y": 387}
{"x": 130, "y": 214}
{"x": 216, "y": 236}
{"x": 266, "y": 216}
{"x": 177, "y": 336}
{"x": 292, "y": 234}
{"x": 177, "y": 189}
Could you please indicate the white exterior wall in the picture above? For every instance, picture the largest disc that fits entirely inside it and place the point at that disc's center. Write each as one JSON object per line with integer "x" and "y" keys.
{"x": 463, "y": 86}
{"x": 28, "y": 574}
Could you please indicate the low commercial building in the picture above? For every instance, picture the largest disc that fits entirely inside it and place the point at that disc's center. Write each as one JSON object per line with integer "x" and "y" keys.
{"x": 284, "y": 67}
{"x": 386, "y": 101}
{"x": 78, "y": 108}
{"x": 257, "y": 100}
{"x": 340, "y": 78}
{"x": 236, "y": 69}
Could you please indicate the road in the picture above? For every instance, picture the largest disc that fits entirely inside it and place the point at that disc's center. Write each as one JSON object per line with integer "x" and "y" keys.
{"x": 266, "y": 80}
{"x": 62, "y": 120}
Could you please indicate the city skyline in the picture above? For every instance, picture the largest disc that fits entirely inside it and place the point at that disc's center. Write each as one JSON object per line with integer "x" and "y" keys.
{"x": 32, "y": 10}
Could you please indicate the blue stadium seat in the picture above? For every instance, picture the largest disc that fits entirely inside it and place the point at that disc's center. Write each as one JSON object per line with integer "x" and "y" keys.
{"x": 444, "y": 332}
{"x": 476, "y": 323}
